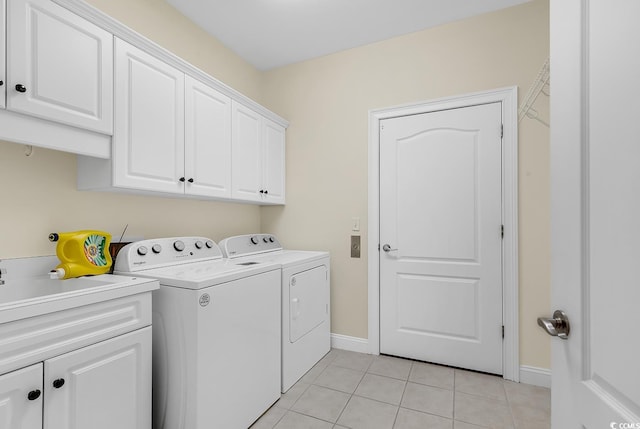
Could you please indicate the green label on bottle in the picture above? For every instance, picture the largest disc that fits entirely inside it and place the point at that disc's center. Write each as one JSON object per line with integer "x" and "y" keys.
{"x": 94, "y": 250}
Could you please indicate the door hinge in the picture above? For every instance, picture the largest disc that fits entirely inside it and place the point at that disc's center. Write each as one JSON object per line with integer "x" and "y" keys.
{"x": 501, "y": 231}
{"x": 378, "y": 247}
{"x": 501, "y": 130}
{"x": 502, "y": 331}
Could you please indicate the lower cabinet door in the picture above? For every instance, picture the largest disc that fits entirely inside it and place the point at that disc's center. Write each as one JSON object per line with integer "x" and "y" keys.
{"x": 103, "y": 386}
{"x": 21, "y": 398}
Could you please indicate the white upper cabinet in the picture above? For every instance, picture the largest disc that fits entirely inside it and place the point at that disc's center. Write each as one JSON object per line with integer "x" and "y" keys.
{"x": 207, "y": 141}
{"x": 148, "y": 141}
{"x": 273, "y": 164}
{"x": 59, "y": 66}
{"x": 3, "y": 44}
{"x": 257, "y": 157}
{"x": 246, "y": 145}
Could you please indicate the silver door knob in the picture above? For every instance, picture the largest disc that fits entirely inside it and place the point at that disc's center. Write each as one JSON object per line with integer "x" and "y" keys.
{"x": 388, "y": 248}
{"x": 556, "y": 327}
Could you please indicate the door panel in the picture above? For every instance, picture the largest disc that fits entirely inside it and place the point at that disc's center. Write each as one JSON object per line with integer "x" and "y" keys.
{"x": 207, "y": 140}
{"x": 3, "y": 45}
{"x": 440, "y": 214}
{"x": 595, "y": 211}
{"x": 420, "y": 297}
{"x": 307, "y": 301}
{"x": 16, "y": 410}
{"x": 65, "y": 63}
{"x": 149, "y": 124}
{"x": 107, "y": 385}
{"x": 445, "y": 214}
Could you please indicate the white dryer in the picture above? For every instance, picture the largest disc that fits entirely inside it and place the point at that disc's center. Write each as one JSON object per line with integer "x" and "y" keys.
{"x": 216, "y": 333}
{"x": 306, "y": 320}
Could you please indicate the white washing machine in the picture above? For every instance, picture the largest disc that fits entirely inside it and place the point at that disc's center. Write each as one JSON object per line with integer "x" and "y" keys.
{"x": 216, "y": 333}
{"x": 306, "y": 333}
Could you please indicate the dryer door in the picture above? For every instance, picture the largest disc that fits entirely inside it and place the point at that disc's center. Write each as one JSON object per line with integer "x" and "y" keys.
{"x": 308, "y": 305}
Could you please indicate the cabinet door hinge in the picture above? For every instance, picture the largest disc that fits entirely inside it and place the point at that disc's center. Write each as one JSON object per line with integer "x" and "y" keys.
{"x": 501, "y": 231}
{"x": 501, "y": 130}
{"x": 502, "y": 331}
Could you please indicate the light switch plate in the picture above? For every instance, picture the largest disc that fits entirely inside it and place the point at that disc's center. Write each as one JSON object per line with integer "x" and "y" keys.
{"x": 355, "y": 246}
{"x": 355, "y": 224}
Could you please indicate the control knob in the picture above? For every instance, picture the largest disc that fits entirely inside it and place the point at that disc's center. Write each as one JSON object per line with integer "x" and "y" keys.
{"x": 178, "y": 245}
{"x": 265, "y": 239}
{"x": 254, "y": 240}
{"x": 198, "y": 244}
{"x": 270, "y": 239}
{"x": 142, "y": 250}
{"x": 156, "y": 248}
{"x": 209, "y": 244}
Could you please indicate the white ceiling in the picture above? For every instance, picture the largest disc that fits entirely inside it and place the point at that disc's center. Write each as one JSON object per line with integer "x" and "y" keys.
{"x": 274, "y": 33}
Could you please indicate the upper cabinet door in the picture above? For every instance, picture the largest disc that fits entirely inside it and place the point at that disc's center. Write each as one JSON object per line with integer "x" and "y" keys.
{"x": 246, "y": 145}
{"x": 60, "y": 66}
{"x": 3, "y": 44}
{"x": 207, "y": 141}
{"x": 273, "y": 165}
{"x": 148, "y": 140}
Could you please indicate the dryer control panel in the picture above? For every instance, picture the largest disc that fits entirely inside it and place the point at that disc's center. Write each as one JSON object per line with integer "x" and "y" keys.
{"x": 161, "y": 252}
{"x": 251, "y": 244}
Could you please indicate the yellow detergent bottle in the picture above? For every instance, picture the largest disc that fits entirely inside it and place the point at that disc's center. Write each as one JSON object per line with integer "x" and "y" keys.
{"x": 82, "y": 253}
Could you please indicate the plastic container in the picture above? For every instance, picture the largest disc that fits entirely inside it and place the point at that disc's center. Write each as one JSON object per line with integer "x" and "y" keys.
{"x": 81, "y": 253}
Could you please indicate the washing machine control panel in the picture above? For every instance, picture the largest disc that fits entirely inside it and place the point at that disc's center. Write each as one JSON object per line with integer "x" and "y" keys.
{"x": 252, "y": 244}
{"x": 161, "y": 252}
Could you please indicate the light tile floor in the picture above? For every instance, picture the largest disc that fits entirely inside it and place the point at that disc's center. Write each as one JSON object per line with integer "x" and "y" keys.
{"x": 354, "y": 390}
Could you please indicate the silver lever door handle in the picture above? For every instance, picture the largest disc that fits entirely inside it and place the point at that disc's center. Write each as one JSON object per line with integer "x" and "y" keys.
{"x": 388, "y": 248}
{"x": 556, "y": 327}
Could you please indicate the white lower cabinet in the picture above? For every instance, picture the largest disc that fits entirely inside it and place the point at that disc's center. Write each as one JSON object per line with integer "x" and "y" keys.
{"x": 21, "y": 398}
{"x": 103, "y": 386}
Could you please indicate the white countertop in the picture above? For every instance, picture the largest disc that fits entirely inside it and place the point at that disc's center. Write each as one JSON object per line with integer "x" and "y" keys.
{"x": 26, "y": 295}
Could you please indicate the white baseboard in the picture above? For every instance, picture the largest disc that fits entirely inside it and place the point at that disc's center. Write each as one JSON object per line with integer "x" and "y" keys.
{"x": 352, "y": 344}
{"x": 528, "y": 374}
{"x": 535, "y": 376}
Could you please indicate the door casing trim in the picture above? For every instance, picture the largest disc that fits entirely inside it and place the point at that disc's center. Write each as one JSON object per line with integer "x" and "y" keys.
{"x": 509, "y": 98}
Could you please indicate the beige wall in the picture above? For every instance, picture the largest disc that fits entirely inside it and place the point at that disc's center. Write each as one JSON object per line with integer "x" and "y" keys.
{"x": 162, "y": 23}
{"x": 38, "y": 193}
{"x": 327, "y": 101}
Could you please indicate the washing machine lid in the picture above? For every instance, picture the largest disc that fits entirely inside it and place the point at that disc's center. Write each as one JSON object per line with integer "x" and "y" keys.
{"x": 199, "y": 275}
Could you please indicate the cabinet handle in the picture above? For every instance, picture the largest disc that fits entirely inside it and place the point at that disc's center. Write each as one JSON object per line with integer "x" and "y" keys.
{"x": 33, "y": 395}
{"x": 182, "y": 179}
{"x": 190, "y": 180}
{"x": 58, "y": 383}
{"x": 21, "y": 88}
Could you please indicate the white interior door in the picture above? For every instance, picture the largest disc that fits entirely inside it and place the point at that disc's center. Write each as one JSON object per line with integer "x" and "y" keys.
{"x": 595, "y": 212}
{"x": 3, "y": 77}
{"x": 440, "y": 224}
